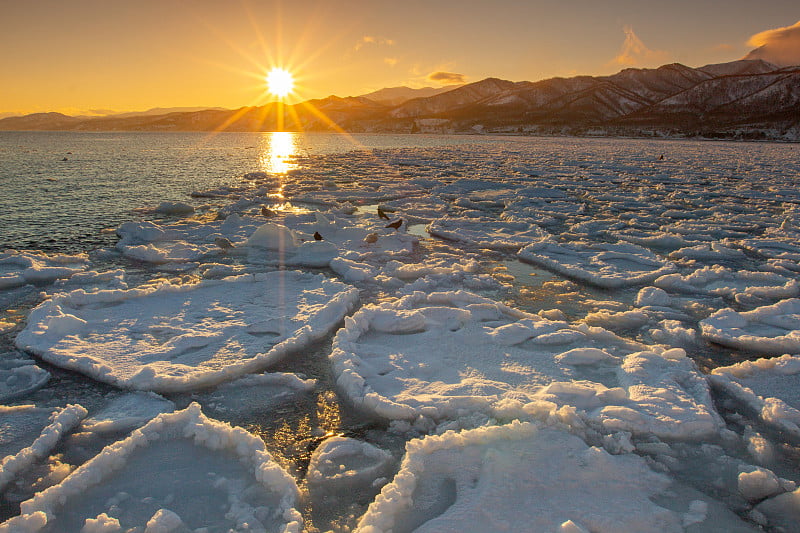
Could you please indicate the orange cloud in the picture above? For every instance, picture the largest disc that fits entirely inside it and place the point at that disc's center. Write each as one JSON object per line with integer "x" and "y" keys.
{"x": 391, "y": 61}
{"x": 634, "y": 52}
{"x": 447, "y": 78}
{"x": 780, "y": 45}
{"x": 369, "y": 39}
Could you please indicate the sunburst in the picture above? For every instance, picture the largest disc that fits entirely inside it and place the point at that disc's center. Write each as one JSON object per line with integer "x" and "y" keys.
{"x": 280, "y": 82}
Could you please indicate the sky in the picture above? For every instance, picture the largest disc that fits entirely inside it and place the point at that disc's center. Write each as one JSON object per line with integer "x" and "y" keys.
{"x": 85, "y": 57}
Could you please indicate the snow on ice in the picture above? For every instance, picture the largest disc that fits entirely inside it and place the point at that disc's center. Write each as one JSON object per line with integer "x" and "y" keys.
{"x": 19, "y": 425}
{"x": 605, "y": 265}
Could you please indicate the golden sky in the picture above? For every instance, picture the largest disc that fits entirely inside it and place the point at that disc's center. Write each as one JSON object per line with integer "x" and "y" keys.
{"x": 102, "y": 56}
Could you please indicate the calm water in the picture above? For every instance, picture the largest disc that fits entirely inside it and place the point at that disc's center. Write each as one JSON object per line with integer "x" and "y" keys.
{"x": 66, "y": 191}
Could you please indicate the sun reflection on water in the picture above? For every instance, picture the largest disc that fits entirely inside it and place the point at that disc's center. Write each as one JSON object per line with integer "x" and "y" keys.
{"x": 278, "y": 150}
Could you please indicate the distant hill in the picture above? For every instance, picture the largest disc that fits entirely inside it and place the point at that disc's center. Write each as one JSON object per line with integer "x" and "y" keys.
{"x": 394, "y": 96}
{"x": 746, "y": 99}
{"x": 163, "y": 111}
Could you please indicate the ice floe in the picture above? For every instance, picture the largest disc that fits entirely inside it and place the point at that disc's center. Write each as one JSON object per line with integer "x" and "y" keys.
{"x": 499, "y": 478}
{"x": 770, "y": 329}
{"x": 487, "y": 232}
{"x": 605, "y": 265}
{"x": 342, "y": 465}
{"x": 449, "y": 354}
{"x": 182, "y": 337}
{"x": 253, "y": 393}
{"x": 180, "y": 471}
{"x": 767, "y": 388}
{"x": 741, "y": 286}
{"x": 127, "y": 412}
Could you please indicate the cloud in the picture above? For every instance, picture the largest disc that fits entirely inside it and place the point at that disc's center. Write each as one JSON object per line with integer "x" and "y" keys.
{"x": 371, "y": 40}
{"x": 391, "y": 61}
{"x": 634, "y": 53}
{"x": 447, "y": 78}
{"x": 780, "y": 45}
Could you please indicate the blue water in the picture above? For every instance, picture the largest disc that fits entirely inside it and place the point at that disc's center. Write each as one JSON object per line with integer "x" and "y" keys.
{"x": 67, "y": 191}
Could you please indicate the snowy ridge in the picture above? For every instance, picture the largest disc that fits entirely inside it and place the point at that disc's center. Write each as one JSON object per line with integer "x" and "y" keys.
{"x": 745, "y": 99}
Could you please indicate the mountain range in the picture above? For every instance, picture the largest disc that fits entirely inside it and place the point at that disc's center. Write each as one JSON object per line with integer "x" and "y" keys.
{"x": 745, "y": 99}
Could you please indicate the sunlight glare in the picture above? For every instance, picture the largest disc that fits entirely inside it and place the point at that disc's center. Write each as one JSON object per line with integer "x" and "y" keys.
{"x": 280, "y": 82}
{"x": 278, "y": 155}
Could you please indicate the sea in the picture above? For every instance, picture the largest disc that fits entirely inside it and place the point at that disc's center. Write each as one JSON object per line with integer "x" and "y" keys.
{"x": 67, "y": 193}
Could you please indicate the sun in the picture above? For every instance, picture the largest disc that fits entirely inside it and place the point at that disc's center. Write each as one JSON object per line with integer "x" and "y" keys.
{"x": 280, "y": 82}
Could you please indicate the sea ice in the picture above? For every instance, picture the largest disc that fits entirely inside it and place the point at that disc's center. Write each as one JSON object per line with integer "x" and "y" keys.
{"x": 605, "y": 265}
{"x": 782, "y": 511}
{"x": 253, "y": 393}
{"x": 174, "y": 208}
{"x": 768, "y": 388}
{"x": 503, "y": 477}
{"x": 342, "y": 465}
{"x": 277, "y": 243}
{"x": 771, "y": 329}
{"x": 711, "y": 252}
{"x": 181, "y": 337}
{"x": 150, "y": 243}
{"x": 179, "y": 468}
{"x": 773, "y": 248}
{"x": 127, "y": 412}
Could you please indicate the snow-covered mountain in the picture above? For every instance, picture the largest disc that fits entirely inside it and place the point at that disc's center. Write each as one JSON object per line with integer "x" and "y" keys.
{"x": 394, "y": 96}
{"x": 741, "y": 99}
